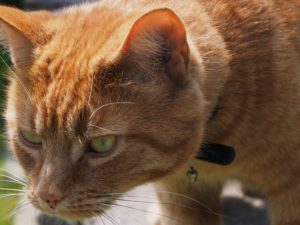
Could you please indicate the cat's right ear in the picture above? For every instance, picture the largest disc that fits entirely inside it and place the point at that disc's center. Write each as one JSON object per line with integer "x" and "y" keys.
{"x": 20, "y": 33}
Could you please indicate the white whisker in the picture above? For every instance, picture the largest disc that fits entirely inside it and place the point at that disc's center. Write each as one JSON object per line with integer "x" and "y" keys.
{"x": 11, "y": 195}
{"x": 110, "y": 104}
{"x": 124, "y": 211}
{"x": 209, "y": 210}
{"x": 106, "y": 216}
{"x": 10, "y": 181}
{"x": 4, "y": 135}
{"x": 19, "y": 208}
{"x": 18, "y": 79}
{"x": 12, "y": 213}
{"x": 12, "y": 189}
{"x": 14, "y": 175}
{"x": 140, "y": 210}
{"x": 198, "y": 202}
{"x": 102, "y": 221}
{"x": 111, "y": 219}
{"x": 97, "y": 217}
{"x": 159, "y": 203}
{"x": 101, "y": 128}
{"x": 14, "y": 180}
{"x": 170, "y": 193}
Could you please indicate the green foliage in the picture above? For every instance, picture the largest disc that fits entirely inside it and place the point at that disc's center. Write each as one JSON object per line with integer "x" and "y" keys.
{"x": 4, "y": 63}
{"x": 6, "y": 204}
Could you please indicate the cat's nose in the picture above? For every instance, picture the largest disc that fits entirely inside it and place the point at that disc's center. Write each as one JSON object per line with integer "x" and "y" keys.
{"x": 52, "y": 199}
{"x": 53, "y": 183}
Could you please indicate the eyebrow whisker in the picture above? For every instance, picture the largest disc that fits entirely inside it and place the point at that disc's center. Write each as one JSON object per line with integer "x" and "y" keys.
{"x": 109, "y": 104}
{"x": 101, "y": 128}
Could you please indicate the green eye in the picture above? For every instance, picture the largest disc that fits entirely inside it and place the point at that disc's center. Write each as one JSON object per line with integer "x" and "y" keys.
{"x": 31, "y": 137}
{"x": 103, "y": 144}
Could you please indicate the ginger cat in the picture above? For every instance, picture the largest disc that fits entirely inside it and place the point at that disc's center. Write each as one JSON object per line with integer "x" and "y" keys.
{"x": 108, "y": 96}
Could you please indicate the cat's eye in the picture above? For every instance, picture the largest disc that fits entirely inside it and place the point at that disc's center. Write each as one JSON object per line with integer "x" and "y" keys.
{"x": 103, "y": 144}
{"x": 30, "y": 137}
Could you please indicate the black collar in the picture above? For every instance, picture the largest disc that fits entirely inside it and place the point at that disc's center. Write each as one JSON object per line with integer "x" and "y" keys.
{"x": 216, "y": 153}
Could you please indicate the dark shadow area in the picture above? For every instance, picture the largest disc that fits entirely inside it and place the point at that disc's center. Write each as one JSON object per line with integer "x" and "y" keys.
{"x": 240, "y": 212}
{"x": 15, "y": 3}
{"x": 47, "y": 220}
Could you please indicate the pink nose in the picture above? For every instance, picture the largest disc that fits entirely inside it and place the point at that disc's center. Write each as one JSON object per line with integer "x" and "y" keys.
{"x": 52, "y": 199}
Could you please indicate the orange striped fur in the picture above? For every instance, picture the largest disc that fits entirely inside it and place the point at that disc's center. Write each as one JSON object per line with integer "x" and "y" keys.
{"x": 152, "y": 73}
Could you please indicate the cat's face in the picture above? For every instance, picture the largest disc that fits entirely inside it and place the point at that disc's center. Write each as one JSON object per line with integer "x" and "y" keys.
{"x": 91, "y": 113}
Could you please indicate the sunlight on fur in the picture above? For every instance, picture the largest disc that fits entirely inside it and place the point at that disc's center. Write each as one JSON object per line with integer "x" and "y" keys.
{"x": 109, "y": 96}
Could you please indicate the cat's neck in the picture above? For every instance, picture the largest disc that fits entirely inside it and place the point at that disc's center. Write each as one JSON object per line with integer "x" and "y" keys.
{"x": 211, "y": 58}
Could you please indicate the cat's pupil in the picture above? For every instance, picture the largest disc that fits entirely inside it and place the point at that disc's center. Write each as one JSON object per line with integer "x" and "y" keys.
{"x": 103, "y": 142}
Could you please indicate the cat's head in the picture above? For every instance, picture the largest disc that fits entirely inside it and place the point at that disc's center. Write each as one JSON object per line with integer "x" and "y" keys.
{"x": 99, "y": 102}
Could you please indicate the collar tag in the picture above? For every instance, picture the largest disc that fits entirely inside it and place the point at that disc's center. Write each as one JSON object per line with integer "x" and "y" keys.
{"x": 192, "y": 175}
{"x": 216, "y": 153}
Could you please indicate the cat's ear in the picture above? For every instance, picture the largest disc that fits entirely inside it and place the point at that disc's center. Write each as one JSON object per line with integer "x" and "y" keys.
{"x": 160, "y": 37}
{"x": 20, "y": 33}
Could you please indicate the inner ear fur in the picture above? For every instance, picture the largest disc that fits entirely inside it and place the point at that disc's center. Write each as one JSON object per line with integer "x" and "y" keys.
{"x": 20, "y": 33}
{"x": 160, "y": 35}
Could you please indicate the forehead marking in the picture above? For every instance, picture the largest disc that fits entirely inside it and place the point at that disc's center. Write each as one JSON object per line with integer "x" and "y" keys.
{"x": 71, "y": 65}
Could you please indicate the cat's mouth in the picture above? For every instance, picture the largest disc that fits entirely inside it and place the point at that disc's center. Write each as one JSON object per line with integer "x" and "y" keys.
{"x": 74, "y": 209}
{"x": 75, "y": 212}
{"x": 80, "y": 214}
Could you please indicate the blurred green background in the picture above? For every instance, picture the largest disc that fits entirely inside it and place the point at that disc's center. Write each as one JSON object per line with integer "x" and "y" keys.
{"x": 7, "y": 204}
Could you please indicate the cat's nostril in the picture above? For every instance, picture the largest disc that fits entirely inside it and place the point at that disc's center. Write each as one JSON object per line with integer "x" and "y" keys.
{"x": 51, "y": 199}
{"x": 53, "y": 203}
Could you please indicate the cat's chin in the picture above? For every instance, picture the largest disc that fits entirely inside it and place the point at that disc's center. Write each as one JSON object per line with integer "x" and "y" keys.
{"x": 78, "y": 216}
{"x": 72, "y": 215}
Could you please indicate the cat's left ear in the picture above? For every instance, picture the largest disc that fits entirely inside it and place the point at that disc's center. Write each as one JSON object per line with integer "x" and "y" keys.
{"x": 159, "y": 37}
{"x": 20, "y": 33}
